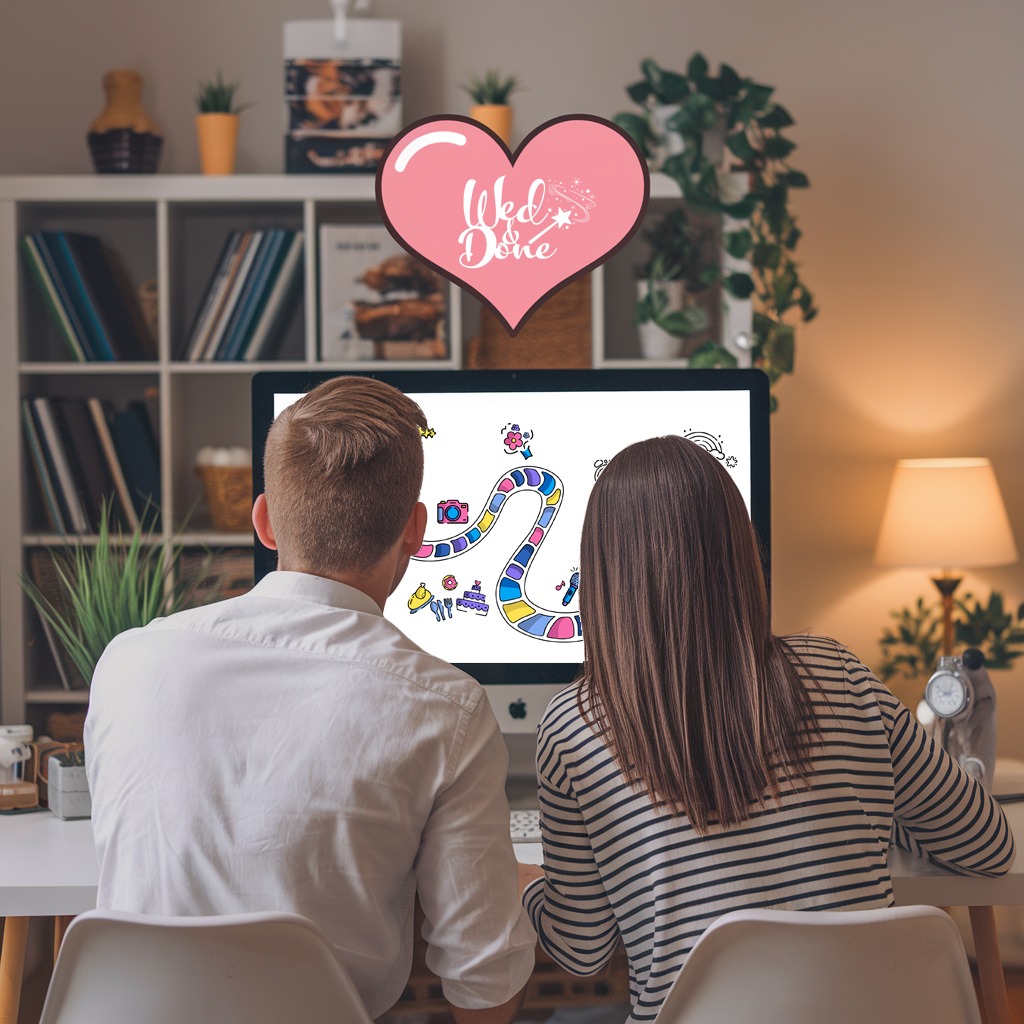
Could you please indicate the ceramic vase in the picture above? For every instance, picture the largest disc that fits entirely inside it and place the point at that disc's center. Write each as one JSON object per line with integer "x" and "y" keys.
{"x": 218, "y": 142}
{"x": 655, "y": 342}
{"x": 124, "y": 139}
{"x": 496, "y": 116}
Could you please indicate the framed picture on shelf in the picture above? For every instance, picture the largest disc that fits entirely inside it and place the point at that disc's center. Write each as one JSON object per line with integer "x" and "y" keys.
{"x": 377, "y": 301}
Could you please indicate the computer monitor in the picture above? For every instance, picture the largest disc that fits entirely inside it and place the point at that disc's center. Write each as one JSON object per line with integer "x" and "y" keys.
{"x": 510, "y": 458}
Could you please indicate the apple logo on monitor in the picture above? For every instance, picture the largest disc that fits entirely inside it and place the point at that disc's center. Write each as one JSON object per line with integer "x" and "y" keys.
{"x": 517, "y": 709}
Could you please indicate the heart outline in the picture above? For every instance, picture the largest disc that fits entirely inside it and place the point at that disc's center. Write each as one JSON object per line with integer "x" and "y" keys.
{"x": 512, "y": 157}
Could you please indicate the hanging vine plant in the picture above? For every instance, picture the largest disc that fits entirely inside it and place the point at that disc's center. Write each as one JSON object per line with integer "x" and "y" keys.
{"x": 696, "y": 107}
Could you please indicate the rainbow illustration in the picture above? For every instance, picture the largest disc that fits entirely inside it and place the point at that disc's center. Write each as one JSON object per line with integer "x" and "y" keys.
{"x": 516, "y": 608}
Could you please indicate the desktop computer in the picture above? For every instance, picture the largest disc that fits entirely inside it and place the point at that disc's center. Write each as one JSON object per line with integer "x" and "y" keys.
{"x": 510, "y": 458}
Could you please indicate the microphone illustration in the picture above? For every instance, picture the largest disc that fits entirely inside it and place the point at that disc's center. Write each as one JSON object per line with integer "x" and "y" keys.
{"x": 574, "y": 585}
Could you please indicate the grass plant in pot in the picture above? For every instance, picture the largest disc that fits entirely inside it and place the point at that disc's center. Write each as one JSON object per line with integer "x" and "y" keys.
{"x": 217, "y": 125}
{"x": 490, "y": 97}
{"x": 119, "y": 583}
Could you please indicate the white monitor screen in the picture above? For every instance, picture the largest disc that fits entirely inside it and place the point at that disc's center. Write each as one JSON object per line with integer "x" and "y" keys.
{"x": 506, "y": 482}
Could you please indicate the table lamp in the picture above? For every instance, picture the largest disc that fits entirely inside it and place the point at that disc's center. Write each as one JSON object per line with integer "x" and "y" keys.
{"x": 946, "y": 514}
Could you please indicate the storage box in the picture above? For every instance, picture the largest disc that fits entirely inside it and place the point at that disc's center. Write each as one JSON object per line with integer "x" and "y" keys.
{"x": 68, "y": 788}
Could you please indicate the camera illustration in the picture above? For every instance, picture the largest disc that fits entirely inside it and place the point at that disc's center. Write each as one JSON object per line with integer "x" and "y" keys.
{"x": 452, "y": 512}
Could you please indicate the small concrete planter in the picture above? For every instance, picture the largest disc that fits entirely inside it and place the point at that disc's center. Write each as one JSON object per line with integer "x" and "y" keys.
{"x": 67, "y": 788}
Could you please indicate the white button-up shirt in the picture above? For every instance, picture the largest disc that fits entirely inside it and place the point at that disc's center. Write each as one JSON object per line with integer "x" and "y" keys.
{"x": 292, "y": 750}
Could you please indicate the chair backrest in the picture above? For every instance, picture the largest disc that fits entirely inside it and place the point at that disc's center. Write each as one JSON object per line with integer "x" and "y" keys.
{"x": 806, "y": 967}
{"x": 116, "y": 968}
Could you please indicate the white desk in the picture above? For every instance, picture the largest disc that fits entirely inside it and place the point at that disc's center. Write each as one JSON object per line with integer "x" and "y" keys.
{"x": 48, "y": 868}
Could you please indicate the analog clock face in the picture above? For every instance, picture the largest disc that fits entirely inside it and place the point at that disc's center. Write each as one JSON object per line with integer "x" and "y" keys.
{"x": 946, "y": 694}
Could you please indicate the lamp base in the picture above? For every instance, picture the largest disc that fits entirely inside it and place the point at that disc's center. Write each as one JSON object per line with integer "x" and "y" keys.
{"x": 946, "y": 586}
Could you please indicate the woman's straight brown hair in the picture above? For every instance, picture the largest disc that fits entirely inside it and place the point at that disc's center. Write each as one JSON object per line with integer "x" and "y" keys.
{"x": 702, "y": 706}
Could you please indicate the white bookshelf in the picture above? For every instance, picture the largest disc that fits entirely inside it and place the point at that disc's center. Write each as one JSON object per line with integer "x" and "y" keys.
{"x": 170, "y": 227}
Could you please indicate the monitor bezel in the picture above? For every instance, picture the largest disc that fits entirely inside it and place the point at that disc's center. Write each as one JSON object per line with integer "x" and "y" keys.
{"x": 270, "y": 382}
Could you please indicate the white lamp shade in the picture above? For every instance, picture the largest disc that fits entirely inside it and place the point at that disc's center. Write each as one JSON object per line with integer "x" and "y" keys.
{"x": 945, "y": 514}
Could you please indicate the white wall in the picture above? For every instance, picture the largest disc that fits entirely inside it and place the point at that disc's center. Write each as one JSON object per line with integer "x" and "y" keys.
{"x": 908, "y": 120}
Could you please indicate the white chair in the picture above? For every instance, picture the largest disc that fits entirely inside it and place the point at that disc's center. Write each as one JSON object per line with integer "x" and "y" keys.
{"x": 889, "y": 966}
{"x": 118, "y": 968}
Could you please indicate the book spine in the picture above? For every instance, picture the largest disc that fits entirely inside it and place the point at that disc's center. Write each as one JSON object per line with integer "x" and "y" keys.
{"x": 48, "y": 290}
{"x": 199, "y": 325}
{"x": 271, "y": 312}
{"x": 99, "y": 419}
{"x": 215, "y": 347}
{"x": 43, "y": 246}
{"x": 89, "y": 497}
{"x": 253, "y": 295}
{"x": 223, "y": 291}
{"x": 42, "y": 473}
{"x": 90, "y": 317}
{"x": 48, "y": 426}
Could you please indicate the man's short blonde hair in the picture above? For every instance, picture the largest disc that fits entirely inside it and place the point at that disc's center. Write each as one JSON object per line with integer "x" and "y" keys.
{"x": 343, "y": 468}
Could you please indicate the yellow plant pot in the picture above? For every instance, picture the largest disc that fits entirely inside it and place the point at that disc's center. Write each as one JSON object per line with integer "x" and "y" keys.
{"x": 496, "y": 116}
{"x": 218, "y": 140}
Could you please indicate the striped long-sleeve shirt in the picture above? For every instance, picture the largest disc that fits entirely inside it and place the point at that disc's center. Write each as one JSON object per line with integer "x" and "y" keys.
{"x": 617, "y": 866}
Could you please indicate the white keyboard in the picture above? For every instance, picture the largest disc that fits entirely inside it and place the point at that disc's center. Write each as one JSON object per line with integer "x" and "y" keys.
{"x": 525, "y": 826}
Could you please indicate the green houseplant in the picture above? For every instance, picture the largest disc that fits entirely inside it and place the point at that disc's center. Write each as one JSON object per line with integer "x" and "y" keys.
{"x": 217, "y": 125}
{"x": 490, "y": 96}
{"x": 677, "y": 270}
{"x": 681, "y": 116}
{"x": 117, "y": 584}
{"x": 910, "y": 648}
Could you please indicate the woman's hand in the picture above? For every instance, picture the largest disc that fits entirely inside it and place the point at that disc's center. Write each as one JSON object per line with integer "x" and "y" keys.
{"x": 527, "y": 873}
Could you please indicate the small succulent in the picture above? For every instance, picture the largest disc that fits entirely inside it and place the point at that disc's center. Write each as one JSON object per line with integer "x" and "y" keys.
{"x": 492, "y": 89}
{"x": 216, "y": 97}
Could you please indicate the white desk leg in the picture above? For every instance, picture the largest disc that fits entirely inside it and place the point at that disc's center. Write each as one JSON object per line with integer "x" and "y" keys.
{"x": 12, "y": 967}
{"x": 990, "y": 965}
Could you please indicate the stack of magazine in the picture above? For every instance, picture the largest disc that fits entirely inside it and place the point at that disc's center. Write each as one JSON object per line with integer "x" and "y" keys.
{"x": 86, "y": 454}
{"x": 89, "y": 297}
{"x": 250, "y": 298}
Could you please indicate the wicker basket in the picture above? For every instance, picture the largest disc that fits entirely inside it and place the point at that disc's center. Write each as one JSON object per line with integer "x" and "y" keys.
{"x": 229, "y": 495}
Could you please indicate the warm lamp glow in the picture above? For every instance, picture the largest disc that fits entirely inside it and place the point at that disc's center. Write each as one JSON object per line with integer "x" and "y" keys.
{"x": 945, "y": 514}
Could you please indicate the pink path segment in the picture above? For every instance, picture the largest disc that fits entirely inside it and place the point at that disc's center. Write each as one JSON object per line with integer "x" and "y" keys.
{"x": 424, "y": 552}
{"x": 536, "y": 536}
{"x": 563, "y": 629}
{"x": 506, "y": 485}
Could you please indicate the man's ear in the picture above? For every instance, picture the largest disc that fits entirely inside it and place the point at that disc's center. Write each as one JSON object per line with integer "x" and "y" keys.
{"x": 415, "y": 529}
{"x": 261, "y": 521}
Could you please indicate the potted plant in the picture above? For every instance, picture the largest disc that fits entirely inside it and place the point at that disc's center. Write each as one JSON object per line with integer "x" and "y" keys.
{"x": 217, "y": 126}
{"x": 117, "y": 584}
{"x": 490, "y": 95}
{"x": 666, "y": 312}
{"x": 730, "y": 124}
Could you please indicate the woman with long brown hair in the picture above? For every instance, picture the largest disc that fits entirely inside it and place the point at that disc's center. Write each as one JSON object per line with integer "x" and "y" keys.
{"x": 703, "y": 764}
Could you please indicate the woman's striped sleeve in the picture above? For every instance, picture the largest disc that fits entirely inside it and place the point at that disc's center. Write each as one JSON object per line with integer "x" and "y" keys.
{"x": 938, "y": 809}
{"x": 568, "y": 906}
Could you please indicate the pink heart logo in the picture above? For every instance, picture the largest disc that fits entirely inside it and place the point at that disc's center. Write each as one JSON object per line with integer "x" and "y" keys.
{"x": 513, "y": 229}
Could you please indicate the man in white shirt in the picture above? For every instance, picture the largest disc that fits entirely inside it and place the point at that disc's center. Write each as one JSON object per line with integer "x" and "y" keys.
{"x": 292, "y": 750}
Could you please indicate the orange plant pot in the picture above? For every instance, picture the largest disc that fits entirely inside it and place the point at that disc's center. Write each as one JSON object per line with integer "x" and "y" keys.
{"x": 496, "y": 116}
{"x": 218, "y": 141}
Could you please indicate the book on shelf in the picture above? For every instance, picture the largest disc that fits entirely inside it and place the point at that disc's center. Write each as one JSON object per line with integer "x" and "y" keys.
{"x": 84, "y": 455}
{"x": 43, "y": 573}
{"x": 89, "y": 297}
{"x": 249, "y": 299}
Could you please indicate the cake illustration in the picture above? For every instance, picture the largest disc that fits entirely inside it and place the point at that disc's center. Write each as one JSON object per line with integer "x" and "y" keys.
{"x": 472, "y": 601}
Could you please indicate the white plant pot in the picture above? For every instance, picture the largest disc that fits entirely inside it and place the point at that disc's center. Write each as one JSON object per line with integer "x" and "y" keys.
{"x": 668, "y": 142}
{"x": 656, "y": 343}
